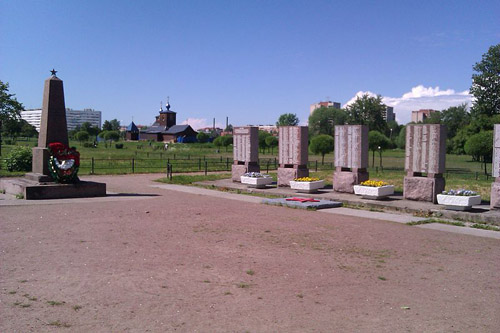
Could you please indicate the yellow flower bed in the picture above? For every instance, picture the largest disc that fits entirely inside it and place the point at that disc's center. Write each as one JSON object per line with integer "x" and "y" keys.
{"x": 374, "y": 183}
{"x": 306, "y": 179}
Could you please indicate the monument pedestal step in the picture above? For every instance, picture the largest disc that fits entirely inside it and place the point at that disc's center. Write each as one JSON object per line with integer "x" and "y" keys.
{"x": 33, "y": 190}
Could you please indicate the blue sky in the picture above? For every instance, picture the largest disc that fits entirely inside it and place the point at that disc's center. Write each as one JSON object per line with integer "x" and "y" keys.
{"x": 248, "y": 60}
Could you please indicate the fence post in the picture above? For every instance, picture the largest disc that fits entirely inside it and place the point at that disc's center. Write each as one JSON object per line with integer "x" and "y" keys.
{"x": 227, "y": 163}
{"x": 221, "y": 158}
{"x": 133, "y": 165}
{"x": 206, "y": 167}
{"x": 267, "y": 166}
{"x": 275, "y": 163}
{"x": 92, "y": 167}
{"x": 476, "y": 175}
{"x": 199, "y": 164}
{"x": 316, "y": 168}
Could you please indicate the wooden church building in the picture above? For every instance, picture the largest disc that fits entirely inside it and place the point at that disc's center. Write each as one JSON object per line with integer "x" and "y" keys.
{"x": 164, "y": 129}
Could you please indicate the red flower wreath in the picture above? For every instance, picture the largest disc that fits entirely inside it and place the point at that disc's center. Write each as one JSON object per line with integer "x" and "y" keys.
{"x": 64, "y": 163}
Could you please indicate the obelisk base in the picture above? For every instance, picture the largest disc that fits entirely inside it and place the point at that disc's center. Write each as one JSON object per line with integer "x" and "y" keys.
{"x": 41, "y": 161}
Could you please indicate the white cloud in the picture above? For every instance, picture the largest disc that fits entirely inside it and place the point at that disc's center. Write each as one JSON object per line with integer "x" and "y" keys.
{"x": 197, "y": 123}
{"x": 420, "y": 97}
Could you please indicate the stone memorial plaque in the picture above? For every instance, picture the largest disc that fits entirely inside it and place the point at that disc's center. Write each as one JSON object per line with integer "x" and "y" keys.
{"x": 293, "y": 145}
{"x": 351, "y": 146}
{"x": 425, "y": 149}
{"x": 496, "y": 152}
{"x": 246, "y": 144}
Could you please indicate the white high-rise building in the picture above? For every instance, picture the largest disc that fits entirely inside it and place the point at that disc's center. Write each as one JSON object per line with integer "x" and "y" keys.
{"x": 74, "y": 118}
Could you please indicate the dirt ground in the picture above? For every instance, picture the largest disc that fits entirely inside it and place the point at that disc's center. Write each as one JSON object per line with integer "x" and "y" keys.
{"x": 172, "y": 261}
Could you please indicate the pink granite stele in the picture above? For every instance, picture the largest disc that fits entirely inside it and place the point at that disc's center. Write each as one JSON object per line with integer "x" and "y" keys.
{"x": 424, "y": 162}
{"x": 245, "y": 151}
{"x": 351, "y": 157}
{"x": 293, "y": 154}
{"x": 495, "y": 187}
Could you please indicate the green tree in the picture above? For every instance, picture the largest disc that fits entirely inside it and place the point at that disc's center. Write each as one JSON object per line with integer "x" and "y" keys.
{"x": 455, "y": 118}
{"x": 322, "y": 144}
{"x": 227, "y": 140}
{"x": 434, "y": 118}
{"x": 87, "y": 127}
{"x": 288, "y": 119}
{"x": 28, "y": 130}
{"x": 271, "y": 142}
{"x": 401, "y": 140}
{"x": 262, "y": 140}
{"x": 218, "y": 141}
{"x": 12, "y": 127}
{"x": 10, "y": 108}
{"x": 486, "y": 83}
{"x": 480, "y": 147}
{"x": 377, "y": 142}
{"x": 393, "y": 129}
{"x": 112, "y": 136}
{"x": 369, "y": 111}
{"x": 82, "y": 136}
{"x": 111, "y": 125}
{"x": 323, "y": 120}
{"x": 202, "y": 137}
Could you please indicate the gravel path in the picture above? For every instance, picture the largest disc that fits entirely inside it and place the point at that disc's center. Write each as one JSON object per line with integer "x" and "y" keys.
{"x": 159, "y": 260}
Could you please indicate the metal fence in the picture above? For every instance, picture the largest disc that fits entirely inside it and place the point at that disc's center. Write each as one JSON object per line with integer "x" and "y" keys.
{"x": 187, "y": 163}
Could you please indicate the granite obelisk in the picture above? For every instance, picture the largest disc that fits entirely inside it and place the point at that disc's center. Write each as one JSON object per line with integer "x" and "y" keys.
{"x": 53, "y": 127}
{"x": 39, "y": 184}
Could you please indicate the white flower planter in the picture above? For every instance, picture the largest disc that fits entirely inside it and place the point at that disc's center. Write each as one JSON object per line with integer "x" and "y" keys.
{"x": 370, "y": 192}
{"x": 458, "y": 202}
{"x": 257, "y": 182}
{"x": 307, "y": 187}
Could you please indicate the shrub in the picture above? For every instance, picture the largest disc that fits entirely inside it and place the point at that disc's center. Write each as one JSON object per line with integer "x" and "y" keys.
{"x": 8, "y": 141}
{"x": 19, "y": 159}
{"x": 119, "y": 145}
{"x": 322, "y": 144}
{"x": 202, "y": 137}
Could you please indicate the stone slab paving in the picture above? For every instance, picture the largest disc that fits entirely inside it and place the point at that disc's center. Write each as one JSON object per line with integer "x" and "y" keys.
{"x": 399, "y": 218}
{"x": 461, "y": 230}
{"x": 319, "y": 204}
{"x": 396, "y": 203}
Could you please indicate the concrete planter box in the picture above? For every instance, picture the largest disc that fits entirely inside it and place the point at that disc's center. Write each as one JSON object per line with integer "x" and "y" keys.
{"x": 257, "y": 182}
{"x": 370, "y": 192}
{"x": 458, "y": 202}
{"x": 307, "y": 187}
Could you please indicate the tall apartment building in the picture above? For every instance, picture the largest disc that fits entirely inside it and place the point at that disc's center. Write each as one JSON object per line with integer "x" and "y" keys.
{"x": 328, "y": 104}
{"x": 420, "y": 115}
{"x": 74, "y": 118}
{"x": 389, "y": 114}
